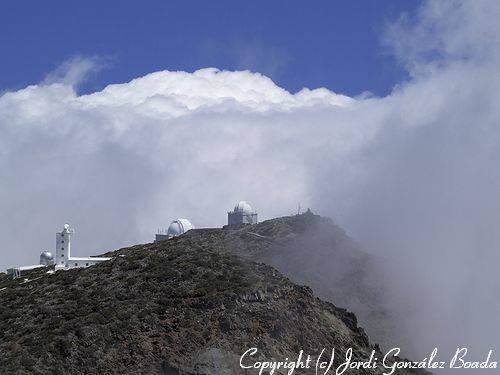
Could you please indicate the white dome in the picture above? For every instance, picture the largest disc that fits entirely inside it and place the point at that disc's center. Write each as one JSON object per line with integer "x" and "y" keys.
{"x": 243, "y": 207}
{"x": 179, "y": 227}
{"x": 46, "y": 258}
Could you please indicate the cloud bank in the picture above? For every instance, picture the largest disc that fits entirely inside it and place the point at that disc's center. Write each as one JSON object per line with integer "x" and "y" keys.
{"x": 413, "y": 176}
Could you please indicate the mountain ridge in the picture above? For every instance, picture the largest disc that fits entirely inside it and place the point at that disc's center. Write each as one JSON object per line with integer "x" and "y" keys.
{"x": 189, "y": 305}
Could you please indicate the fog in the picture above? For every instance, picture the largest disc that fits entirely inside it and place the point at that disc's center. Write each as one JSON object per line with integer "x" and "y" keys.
{"x": 413, "y": 176}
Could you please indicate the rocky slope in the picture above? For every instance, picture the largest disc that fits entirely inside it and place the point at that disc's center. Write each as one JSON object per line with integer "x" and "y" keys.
{"x": 190, "y": 305}
{"x": 313, "y": 250}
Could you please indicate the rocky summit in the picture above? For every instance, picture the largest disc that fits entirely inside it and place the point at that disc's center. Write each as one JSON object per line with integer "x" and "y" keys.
{"x": 190, "y": 305}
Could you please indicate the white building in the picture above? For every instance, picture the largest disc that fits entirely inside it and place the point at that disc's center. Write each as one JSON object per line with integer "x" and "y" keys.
{"x": 176, "y": 228}
{"x": 242, "y": 214}
{"x": 63, "y": 258}
{"x": 46, "y": 259}
{"x": 18, "y": 271}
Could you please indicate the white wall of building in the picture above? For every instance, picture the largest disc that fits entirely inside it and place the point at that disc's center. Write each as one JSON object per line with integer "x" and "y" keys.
{"x": 63, "y": 257}
{"x": 63, "y": 246}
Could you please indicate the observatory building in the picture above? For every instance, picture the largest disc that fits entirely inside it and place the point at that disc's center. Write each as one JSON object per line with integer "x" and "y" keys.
{"x": 46, "y": 259}
{"x": 19, "y": 271}
{"x": 242, "y": 214}
{"x": 176, "y": 228}
{"x": 64, "y": 260}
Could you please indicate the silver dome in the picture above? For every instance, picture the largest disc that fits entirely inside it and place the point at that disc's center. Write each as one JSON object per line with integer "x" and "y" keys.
{"x": 243, "y": 207}
{"x": 178, "y": 227}
{"x": 46, "y": 258}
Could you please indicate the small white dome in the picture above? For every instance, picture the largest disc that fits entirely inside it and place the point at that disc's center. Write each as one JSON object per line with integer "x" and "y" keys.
{"x": 46, "y": 258}
{"x": 178, "y": 227}
{"x": 243, "y": 207}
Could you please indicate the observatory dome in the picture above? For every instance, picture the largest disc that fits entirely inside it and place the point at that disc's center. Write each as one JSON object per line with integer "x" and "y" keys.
{"x": 46, "y": 258}
{"x": 179, "y": 227}
{"x": 243, "y": 207}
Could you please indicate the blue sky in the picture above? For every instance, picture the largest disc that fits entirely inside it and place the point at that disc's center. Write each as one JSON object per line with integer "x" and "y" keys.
{"x": 335, "y": 44}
